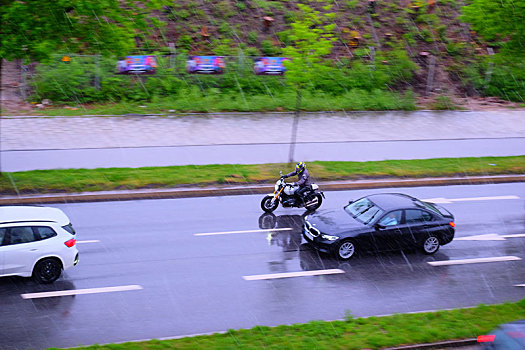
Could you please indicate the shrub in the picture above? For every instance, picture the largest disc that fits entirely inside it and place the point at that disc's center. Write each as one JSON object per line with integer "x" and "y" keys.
{"x": 498, "y": 75}
{"x": 268, "y": 49}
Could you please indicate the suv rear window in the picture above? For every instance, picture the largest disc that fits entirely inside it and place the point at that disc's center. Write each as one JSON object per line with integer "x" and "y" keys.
{"x": 45, "y": 232}
{"x": 69, "y": 228}
{"x": 3, "y": 232}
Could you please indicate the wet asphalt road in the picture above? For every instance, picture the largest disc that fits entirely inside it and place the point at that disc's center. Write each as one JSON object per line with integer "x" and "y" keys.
{"x": 194, "y": 284}
{"x": 360, "y": 151}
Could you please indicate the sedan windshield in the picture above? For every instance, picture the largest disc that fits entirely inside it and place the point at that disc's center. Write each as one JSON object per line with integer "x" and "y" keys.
{"x": 364, "y": 210}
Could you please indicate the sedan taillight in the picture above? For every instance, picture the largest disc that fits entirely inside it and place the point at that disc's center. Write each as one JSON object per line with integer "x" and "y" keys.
{"x": 70, "y": 243}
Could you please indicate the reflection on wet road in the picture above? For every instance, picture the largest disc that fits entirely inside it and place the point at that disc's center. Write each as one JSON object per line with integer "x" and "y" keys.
{"x": 154, "y": 269}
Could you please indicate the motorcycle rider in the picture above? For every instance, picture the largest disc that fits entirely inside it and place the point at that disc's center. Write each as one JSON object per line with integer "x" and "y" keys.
{"x": 303, "y": 179}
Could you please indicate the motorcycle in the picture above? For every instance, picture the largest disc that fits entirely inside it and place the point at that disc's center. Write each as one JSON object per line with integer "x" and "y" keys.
{"x": 285, "y": 194}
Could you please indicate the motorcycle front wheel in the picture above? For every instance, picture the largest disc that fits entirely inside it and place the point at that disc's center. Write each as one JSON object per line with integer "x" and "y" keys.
{"x": 267, "y": 206}
{"x": 314, "y": 203}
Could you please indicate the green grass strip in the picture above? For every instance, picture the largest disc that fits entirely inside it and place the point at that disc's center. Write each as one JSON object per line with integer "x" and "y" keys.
{"x": 354, "y": 100}
{"x": 353, "y": 333}
{"x": 77, "y": 180}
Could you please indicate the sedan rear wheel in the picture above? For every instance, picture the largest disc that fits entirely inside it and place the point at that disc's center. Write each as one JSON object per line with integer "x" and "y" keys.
{"x": 431, "y": 245}
{"x": 346, "y": 250}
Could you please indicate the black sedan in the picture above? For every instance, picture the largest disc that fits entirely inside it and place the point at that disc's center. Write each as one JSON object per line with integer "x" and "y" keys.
{"x": 506, "y": 336}
{"x": 380, "y": 222}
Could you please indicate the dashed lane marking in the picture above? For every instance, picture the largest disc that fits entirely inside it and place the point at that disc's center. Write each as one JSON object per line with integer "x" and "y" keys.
{"x": 474, "y": 261}
{"x": 88, "y": 241}
{"x": 61, "y": 293}
{"x": 514, "y": 236}
{"x": 245, "y": 231}
{"x": 519, "y": 285}
{"x": 489, "y": 237}
{"x": 292, "y": 274}
{"x": 468, "y": 199}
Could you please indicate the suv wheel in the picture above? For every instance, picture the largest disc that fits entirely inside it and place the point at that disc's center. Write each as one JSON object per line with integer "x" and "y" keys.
{"x": 47, "y": 270}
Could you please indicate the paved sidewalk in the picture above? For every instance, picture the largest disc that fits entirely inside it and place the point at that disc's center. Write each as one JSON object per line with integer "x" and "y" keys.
{"x": 28, "y": 143}
{"x": 32, "y": 133}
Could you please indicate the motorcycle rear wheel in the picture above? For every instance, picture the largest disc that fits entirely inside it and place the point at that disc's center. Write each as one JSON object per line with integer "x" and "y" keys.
{"x": 266, "y": 204}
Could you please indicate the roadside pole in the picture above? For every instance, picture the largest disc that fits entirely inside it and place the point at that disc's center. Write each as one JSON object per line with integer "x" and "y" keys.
{"x": 294, "y": 126}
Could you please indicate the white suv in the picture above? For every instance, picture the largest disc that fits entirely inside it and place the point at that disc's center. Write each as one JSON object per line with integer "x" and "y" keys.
{"x": 36, "y": 241}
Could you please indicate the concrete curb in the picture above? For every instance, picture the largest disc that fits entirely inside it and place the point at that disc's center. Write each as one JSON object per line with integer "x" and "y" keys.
{"x": 249, "y": 189}
{"x": 439, "y": 345}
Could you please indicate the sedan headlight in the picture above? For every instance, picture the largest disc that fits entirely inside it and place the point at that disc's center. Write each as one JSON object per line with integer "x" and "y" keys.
{"x": 330, "y": 238}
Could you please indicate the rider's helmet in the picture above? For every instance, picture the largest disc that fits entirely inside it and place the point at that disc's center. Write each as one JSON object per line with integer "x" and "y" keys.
{"x": 299, "y": 167}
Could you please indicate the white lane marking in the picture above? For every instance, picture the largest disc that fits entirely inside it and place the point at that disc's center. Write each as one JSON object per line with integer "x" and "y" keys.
{"x": 292, "y": 274}
{"x": 88, "y": 241}
{"x": 441, "y": 200}
{"x": 514, "y": 236}
{"x": 492, "y": 198}
{"x": 437, "y": 200}
{"x": 489, "y": 237}
{"x": 519, "y": 285}
{"x": 62, "y": 293}
{"x": 245, "y": 231}
{"x": 473, "y": 261}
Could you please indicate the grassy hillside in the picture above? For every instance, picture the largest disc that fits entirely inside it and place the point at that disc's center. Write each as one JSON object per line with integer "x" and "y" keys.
{"x": 381, "y": 47}
{"x": 423, "y": 29}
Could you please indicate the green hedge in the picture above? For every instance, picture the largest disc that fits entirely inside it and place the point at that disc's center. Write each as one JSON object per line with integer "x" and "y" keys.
{"x": 75, "y": 81}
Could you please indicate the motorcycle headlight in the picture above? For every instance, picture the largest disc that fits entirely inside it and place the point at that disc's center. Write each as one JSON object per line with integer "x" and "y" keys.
{"x": 330, "y": 238}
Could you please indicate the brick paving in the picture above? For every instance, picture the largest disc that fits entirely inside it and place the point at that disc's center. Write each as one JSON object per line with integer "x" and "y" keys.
{"x": 37, "y": 133}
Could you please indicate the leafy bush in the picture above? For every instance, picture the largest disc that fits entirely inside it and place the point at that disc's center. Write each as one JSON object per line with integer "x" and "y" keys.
{"x": 444, "y": 103}
{"x": 498, "y": 75}
{"x": 268, "y": 49}
{"x": 185, "y": 41}
{"x": 75, "y": 82}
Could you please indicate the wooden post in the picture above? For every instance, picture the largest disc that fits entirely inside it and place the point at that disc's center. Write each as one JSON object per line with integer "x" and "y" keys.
{"x": 267, "y": 23}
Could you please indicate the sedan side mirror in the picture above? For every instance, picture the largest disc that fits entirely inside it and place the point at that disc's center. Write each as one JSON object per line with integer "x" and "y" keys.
{"x": 380, "y": 227}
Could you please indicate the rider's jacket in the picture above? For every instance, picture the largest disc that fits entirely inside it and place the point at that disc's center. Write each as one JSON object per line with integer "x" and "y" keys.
{"x": 304, "y": 177}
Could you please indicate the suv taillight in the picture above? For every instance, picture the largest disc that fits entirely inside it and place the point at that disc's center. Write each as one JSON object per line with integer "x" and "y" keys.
{"x": 452, "y": 224}
{"x": 70, "y": 243}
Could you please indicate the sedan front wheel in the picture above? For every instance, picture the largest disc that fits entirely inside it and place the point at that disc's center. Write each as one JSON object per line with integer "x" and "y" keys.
{"x": 345, "y": 250}
{"x": 431, "y": 245}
